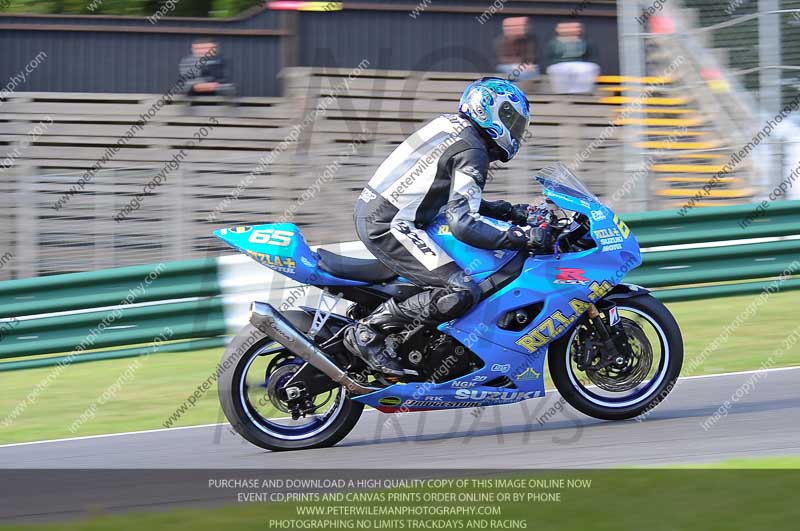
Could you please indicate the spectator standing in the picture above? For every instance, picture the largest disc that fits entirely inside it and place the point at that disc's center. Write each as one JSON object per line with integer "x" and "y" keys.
{"x": 516, "y": 50}
{"x": 569, "y": 54}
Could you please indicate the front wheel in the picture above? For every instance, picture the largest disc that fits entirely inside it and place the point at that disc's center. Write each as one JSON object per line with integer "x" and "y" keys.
{"x": 254, "y": 368}
{"x": 628, "y": 390}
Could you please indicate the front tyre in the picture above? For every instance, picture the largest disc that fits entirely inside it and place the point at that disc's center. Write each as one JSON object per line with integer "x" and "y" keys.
{"x": 656, "y": 340}
{"x": 254, "y": 366}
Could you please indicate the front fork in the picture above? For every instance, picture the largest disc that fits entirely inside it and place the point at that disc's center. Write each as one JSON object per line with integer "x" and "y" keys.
{"x": 614, "y": 346}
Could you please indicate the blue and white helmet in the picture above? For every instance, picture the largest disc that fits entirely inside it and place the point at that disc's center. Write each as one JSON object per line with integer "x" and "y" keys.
{"x": 500, "y": 108}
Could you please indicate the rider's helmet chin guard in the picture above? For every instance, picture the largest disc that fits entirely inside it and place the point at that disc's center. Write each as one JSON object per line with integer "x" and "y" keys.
{"x": 500, "y": 109}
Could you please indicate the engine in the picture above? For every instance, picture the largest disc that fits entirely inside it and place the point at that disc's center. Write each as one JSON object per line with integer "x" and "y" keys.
{"x": 437, "y": 357}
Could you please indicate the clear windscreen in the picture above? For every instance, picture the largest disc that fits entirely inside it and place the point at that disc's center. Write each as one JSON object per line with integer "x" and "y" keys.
{"x": 558, "y": 178}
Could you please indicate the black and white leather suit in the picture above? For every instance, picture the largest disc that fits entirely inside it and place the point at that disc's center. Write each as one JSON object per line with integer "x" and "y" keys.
{"x": 444, "y": 165}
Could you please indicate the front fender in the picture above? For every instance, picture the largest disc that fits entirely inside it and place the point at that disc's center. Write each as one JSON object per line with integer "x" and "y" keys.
{"x": 624, "y": 291}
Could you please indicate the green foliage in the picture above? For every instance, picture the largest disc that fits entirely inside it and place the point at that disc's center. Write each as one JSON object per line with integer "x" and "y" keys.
{"x": 180, "y": 8}
{"x": 230, "y": 8}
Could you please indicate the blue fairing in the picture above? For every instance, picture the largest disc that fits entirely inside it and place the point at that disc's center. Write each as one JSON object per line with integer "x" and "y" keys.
{"x": 479, "y": 263}
{"x": 281, "y": 247}
{"x": 563, "y": 285}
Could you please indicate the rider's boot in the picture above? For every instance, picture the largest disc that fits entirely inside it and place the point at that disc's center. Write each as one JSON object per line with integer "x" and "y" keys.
{"x": 366, "y": 338}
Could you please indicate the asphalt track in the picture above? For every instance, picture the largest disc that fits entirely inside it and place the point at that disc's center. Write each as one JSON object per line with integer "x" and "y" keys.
{"x": 765, "y": 421}
{"x": 56, "y": 480}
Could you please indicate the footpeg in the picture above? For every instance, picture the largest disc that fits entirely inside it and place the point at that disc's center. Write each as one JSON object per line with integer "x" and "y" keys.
{"x": 373, "y": 352}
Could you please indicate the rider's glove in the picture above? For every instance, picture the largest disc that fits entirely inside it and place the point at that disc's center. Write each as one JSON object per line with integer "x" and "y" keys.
{"x": 541, "y": 239}
{"x": 503, "y": 210}
{"x": 518, "y": 215}
{"x": 517, "y": 238}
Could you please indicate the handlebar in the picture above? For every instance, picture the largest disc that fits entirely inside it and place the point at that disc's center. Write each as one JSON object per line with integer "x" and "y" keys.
{"x": 561, "y": 237}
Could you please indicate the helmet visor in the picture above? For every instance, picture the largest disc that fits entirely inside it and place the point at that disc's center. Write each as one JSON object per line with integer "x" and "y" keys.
{"x": 513, "y": 120}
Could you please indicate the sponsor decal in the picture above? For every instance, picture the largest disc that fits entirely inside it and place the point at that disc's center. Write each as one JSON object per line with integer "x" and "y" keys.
{"x": 613, "y": 316}
{"x": 276, "y": 327}
{"x": 464, "y": 384}
{"x": 389, "y": 401}
{"x": 427, "y": 403}
{"x": 278, "y": 238}
{"x": 557, "y": 195}
{"x": 501, "y": 396}
{"x": 623, "y": 228}
{"x": 240, "y": 230}
{"x": 571, "y": 275}
{"x": 610, "y": 239}
{"x": 608, "y": 232}
{"x": 498, "y": 367}
{"x": 499, "y": 254}
{"x": 528, "y": 374}
{"x": 306, "y": 261}
{"x": 278, "y": 263}
{"x": 443, "y": 229}
{"x": 434, "y": 398}
{"x": 552, "y": 325}
{"x": 598, "y": 215}
{"x": 414, "y": 237}
{"x": 568, "y": 198}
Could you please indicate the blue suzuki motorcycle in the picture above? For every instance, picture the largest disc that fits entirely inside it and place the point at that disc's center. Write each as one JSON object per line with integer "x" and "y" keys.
{"x": 613, "y": 350}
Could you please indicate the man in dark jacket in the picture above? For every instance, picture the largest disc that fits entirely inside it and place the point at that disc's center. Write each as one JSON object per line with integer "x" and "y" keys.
{"x": 442, "y": 166}
{"x": 203, "y": 72}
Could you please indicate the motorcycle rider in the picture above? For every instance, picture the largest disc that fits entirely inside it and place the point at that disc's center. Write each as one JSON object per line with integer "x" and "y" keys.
{"x": 444, "y": 165}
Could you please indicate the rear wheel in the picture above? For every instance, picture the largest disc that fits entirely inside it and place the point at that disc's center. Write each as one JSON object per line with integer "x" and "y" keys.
{"x": 632, "y": 387}
{"x": 257, "y": 367}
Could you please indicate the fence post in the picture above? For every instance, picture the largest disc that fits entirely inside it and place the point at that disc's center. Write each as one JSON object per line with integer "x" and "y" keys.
{"x": 26, "y": 223}
{"x": 103, "y": 207}
{"x": 174, "y": 229}
{"x": 632, "y": 63}
{"x": 769, "y": 87}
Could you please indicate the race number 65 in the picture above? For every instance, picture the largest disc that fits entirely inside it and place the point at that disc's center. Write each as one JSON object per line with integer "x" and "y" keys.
{"x": 280, "y": 238}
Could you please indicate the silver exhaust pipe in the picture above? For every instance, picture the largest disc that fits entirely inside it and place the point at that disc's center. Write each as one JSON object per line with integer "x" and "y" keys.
{"x": 270, "y": 321}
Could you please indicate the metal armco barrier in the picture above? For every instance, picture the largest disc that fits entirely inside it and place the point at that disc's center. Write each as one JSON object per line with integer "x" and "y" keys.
{"x": 117, "y": 313}
{"x": 109, "y": 287}
{"x": 715, "y": 224}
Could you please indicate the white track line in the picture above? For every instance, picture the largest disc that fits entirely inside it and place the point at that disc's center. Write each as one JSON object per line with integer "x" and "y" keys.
{"x": 105, "y": 435}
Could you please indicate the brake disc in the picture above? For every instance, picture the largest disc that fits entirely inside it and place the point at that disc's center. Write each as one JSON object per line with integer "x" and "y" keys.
{"x": 620, "y": 378}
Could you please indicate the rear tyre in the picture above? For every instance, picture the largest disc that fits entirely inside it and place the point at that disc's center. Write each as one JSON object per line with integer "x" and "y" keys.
{"x": 600, "y": 397}
{"x": 276, "y": 432}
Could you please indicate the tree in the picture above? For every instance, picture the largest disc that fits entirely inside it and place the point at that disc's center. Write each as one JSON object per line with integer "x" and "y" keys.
{"x": 170, "y": 8}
